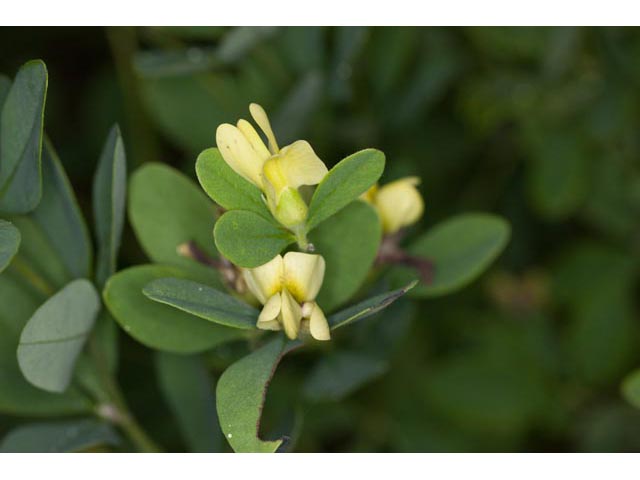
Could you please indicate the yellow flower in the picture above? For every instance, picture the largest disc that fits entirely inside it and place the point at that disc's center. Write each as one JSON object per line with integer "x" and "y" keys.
{"x": 399, "y": 203}
{"x": 278, "y": 172}
{"x": 287, "y": 287}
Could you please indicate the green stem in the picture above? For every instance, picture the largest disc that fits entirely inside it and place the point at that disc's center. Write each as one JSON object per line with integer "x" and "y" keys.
{"x": 301, "y": 238}
{"x": 118, "y": 412}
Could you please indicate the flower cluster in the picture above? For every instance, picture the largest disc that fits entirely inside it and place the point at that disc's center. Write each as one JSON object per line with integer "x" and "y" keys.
{"x": 288, "y": 285}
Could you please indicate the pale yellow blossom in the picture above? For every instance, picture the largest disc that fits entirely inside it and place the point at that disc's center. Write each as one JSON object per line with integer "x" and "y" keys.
{"x": 287, "y": 287}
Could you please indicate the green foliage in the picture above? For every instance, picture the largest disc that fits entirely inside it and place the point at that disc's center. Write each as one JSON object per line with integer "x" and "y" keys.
{"x": 60, "y": 218}
{"x": 249, "y": 240}
{"x": 21, "y": 132}
{"x": 166, "y": 209}
{"x": 56, "y": 333}
{"x": 109, "y": 191}
{"x": 160, "y": 326}
{"x": 344, "y": 183}
{"x": 460, "y": 249}
{"x": 349, "y": 243}
{"x": 17, "y": 396}
{"x": 9, "y": 243}
{"x": 60, "y": 437}
{"x": 240, "y": 397}
{"x": 537, "y": 126}
{"x": 226, "y": 187}
{"x": 202, "y": 301}
{"x": 367, "y": 307}
{"x": 187, "y": 388}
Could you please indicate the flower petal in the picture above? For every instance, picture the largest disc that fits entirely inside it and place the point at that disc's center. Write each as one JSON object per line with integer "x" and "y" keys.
{"x": 261, "y": 118}
{"x": 303, "y": 275}
{"x": 271, "y": 309}
{"x": 268, "y": 319}
{"x": 266, "y": 280}
{"x": 318, "y": 325}
{"x": 296, "y": 165}
{"x": 254, "y": 139}
{"x": 399, "y": 204}
{"x": 290, "y": 315}
{"x": 239, "y": 154}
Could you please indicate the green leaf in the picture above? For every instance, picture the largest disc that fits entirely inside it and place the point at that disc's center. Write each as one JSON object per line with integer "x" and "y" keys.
{"x": 55, "y": 335}
{"x": 21, "y": 130}
{"x": 345, "y": 183}
{"x": 339, "y": 374}
{"x": 349, "y": 243}
{"x": 226, "y": 187}
{"x": 37, "y": 261}
{"x": 9, "y": 243}
{"x": 156, "y": 325}
{"x": 59, "y": 437}
{"x": 161, "y": 221}
{"x": 460, "y": 248}
{"x": 17, "y": 396}
{"x": 367, "y": 307}
{"x": 241, "y": 394}
{"x": 189, "y": 392}
{"x": 60, "y": 218}
{"x": 109, "y": 191}
{"x": 202, "y": 301}
{"x": 5, "y": 86}
{"x": 248, "y": 240}
{"x": 631, "y": 388}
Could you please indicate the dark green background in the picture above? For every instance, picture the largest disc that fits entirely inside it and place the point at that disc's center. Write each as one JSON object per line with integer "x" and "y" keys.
{"x": 540, "y": 125}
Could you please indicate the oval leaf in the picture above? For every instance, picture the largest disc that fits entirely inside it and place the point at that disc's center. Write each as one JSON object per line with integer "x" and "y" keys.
{"x": 202, "y": 301}
{"x": 367, "y": 307}
{"x": 226, "y": 187}
{"x": 17, "y": 396}
{"x": 345, "y": 183}
{"x": 460, "y": 248}
{"x": 241, "y": 394}
{"x": 9, "y": 243}
{"x": 60, "y": 218}
{"x": 156, "y": 325}
{"x": 349, "y": 243}
{"x": 162, "y": 222}
{"x": 188, "y": 390}
{"x": 109, "y": 191}
{"x": 59, "y": 437}
{"x": 248, "y": 240}
{"x": 21, "y": 124}
{"x": 55, "y": 335}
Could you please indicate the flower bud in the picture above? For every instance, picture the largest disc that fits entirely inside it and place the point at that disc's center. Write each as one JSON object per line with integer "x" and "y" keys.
{"x": 399, "y": 203}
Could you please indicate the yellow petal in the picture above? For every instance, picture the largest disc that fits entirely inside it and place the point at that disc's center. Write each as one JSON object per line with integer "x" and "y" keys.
{"x": 303, "y": 275}
{"x": 318, "y": 325}
{"x": 266, "y": 280}
{"x": 268, "y": 319}
{"x": 370, "y": 195}
{"x": 239, "y": 154}
{"x": 290, "y": 315}
{"x": 399, "y": 204}
{"x": 271, "y": 309}
{"x": 254, "y": 139}
{"x": 296, "y": 165}
{"x": 260, "y": 117}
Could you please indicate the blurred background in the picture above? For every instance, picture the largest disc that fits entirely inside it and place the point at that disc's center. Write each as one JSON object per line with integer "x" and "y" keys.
{"x": 540, "y": 125}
